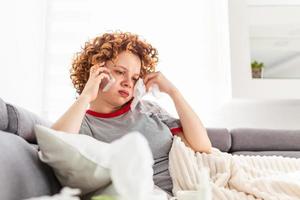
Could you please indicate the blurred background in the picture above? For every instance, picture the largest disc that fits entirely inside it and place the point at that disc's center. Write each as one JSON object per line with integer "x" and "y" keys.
{"x": 40, "y": 37}
{"x": 204, "y": 49}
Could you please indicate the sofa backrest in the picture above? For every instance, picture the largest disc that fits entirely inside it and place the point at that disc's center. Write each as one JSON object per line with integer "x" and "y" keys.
{"x": 253, "y": 139}
{"x": 220, "y": 138}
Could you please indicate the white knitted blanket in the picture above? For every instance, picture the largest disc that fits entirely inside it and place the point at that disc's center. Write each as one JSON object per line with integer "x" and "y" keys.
{"x": 235, "y": 177}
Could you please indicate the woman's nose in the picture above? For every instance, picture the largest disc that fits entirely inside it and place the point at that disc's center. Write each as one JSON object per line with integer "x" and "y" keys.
{"x": 127, "y": 83}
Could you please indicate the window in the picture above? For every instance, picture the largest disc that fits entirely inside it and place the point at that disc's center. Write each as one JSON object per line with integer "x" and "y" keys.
{"x": 191, "y": 38}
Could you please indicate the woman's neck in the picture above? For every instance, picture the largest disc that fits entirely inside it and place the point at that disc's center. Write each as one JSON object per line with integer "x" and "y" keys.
{"x": 102, "y": 106}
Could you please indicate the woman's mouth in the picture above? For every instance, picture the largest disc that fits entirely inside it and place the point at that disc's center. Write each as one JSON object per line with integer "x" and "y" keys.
{"x": 123, "y": 93}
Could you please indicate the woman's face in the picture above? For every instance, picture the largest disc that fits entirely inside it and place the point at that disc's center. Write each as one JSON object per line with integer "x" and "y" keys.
{"x": 126, "y": 71}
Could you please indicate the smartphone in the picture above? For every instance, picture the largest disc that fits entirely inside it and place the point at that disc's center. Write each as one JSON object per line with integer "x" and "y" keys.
{"x": 106, "y": 83}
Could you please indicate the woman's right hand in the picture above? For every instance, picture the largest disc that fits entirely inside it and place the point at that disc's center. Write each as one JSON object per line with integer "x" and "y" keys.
{"x": 98, "y": 73}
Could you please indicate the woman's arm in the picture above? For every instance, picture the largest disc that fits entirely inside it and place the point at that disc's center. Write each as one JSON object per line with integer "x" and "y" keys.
{"x": 71, "y": 120}
{"x": 194, "y": 133}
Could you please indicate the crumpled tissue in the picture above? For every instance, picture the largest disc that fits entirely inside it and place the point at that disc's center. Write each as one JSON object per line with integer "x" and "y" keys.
{"x": 140, "y": 91}
{"x": 65, "y": 194}
{"x": 130, "y": 164}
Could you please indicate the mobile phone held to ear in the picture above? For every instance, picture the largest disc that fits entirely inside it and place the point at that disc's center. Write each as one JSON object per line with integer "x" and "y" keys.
{"x": 106, "y": 83}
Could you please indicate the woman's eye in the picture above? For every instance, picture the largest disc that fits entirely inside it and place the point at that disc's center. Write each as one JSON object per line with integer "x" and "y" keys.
{"x": 119, "y": 72}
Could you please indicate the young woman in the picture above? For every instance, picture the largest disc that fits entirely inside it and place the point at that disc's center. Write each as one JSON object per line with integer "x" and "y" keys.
{"x": 106, "y": 115}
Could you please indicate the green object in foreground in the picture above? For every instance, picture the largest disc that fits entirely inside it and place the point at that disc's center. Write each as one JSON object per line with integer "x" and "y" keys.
{"x": 103, "y": 197}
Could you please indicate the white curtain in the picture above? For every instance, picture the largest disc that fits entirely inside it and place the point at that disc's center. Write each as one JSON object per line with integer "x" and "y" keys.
{"x": 68, "y": 27}
{"x": 191, "y": 37}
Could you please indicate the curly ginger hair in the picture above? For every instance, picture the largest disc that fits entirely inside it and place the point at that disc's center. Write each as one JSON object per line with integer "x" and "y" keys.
{"x": 107, "y": 47}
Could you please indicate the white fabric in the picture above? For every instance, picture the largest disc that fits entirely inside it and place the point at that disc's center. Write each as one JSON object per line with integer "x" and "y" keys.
{"x": 80, "y": 161}
{"x": 236, "y": 177}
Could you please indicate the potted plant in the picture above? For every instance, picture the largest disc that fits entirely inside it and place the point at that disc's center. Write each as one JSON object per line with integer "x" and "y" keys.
{"x": 257, "y": 69}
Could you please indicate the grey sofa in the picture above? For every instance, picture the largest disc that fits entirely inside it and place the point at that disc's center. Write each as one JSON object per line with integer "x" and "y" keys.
{"x": 22, "y": 175}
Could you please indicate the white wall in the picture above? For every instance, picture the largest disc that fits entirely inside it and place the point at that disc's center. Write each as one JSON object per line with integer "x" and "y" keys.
{"x": 259, "y": 113}
{"x": 255, "y": 103}
{"x": 243, "y": 86}
{"x": 194, "y": 55}
{"x": 22, "y": 52}
{"x": 68, "y": 28}
{"x": 40, "y": 37}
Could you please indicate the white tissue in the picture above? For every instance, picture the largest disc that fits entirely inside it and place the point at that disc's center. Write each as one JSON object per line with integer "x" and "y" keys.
{"x": 140, "y": 91}
{"x": 65, "y": 194}
{"x": 130, "y": 166}
{"x": 155, "y": 90}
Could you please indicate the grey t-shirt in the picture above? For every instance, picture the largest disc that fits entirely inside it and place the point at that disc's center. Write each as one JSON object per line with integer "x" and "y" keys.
{"x": 150, "y": 120}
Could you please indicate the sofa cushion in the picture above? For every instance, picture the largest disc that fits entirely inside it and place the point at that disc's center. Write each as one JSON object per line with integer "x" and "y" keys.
{"x": 22, "y": 174}
{"x": 249, "y": 139}
{"x": 3, "y": 116}
{"x": 220, "y": 138}
{"x": 22, "y": 121}
{"x": 290, "y": 154}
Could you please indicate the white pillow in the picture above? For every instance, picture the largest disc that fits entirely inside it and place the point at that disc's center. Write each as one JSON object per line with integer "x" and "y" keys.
{"x": 78, "y": 160}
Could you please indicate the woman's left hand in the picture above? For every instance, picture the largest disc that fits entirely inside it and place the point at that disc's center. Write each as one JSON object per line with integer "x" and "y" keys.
{"x": 158, "y": 78}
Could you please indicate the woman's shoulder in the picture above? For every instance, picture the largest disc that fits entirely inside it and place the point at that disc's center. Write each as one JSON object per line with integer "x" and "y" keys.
{"x": 148, "y": 106}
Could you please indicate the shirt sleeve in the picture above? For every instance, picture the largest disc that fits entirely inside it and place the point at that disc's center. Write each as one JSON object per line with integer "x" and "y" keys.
{"x": 85, "y": 128}
{"x": 173, "y": 123}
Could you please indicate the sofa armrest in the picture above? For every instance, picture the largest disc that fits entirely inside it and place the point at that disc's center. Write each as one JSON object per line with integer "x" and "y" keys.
{"x": 3, "y": 116}
{"x": 22, "y": 174}
{"x": 22, "y": 121}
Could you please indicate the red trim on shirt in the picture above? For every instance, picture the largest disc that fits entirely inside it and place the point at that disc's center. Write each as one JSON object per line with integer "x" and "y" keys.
{"x": 116, "y": 113}
{"x": 175, "y": 131}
